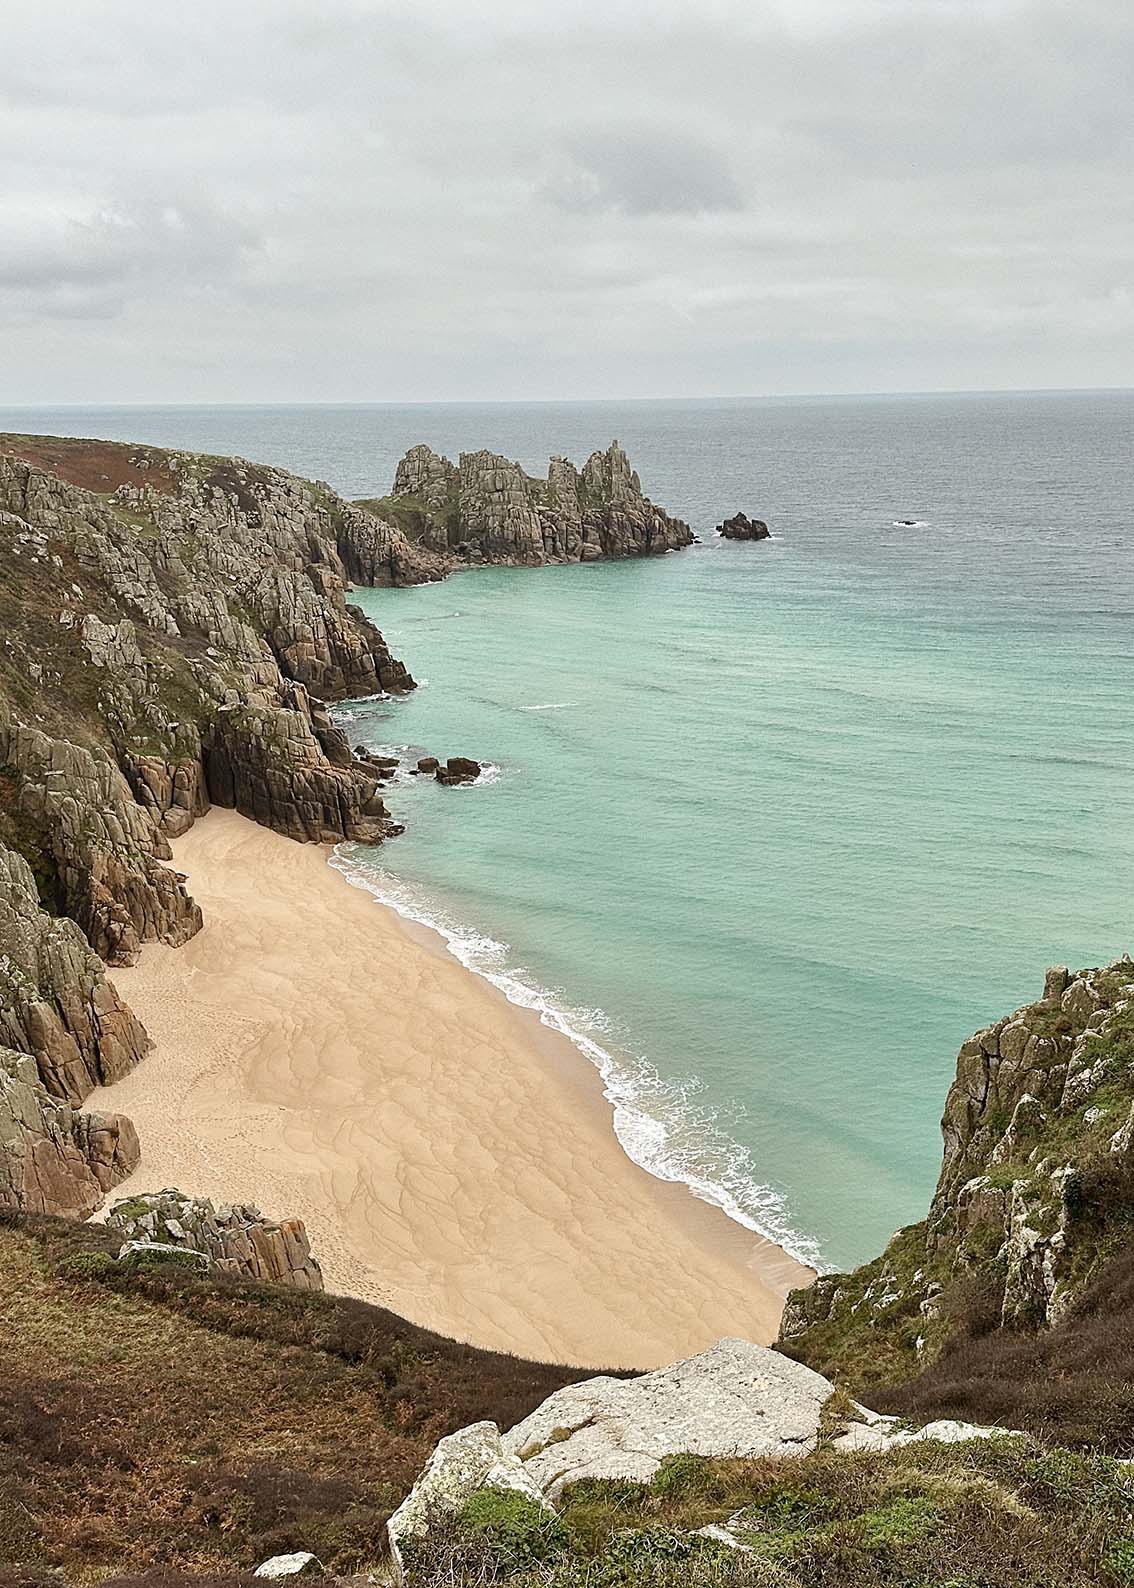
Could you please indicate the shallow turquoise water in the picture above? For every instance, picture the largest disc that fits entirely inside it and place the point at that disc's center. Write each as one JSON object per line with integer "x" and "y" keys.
{"x": 777, "y": 825}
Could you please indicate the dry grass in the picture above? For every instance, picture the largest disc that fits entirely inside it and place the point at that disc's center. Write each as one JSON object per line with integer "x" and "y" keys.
{"x": 1071, "y": 1385}
{"x": 159, "y": 1420}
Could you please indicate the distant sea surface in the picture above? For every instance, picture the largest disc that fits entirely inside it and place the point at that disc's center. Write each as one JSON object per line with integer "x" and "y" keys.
{"x": 771, "y": 828}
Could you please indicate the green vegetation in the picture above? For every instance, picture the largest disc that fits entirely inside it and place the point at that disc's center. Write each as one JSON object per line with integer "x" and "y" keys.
{"x": 1032, "y": 1230}
{"x": 414, "y": 516}
{"x": 988, "y": 1514}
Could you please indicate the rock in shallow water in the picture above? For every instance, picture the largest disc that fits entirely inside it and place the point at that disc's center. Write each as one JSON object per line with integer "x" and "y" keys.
{"x": 459, "y": 769}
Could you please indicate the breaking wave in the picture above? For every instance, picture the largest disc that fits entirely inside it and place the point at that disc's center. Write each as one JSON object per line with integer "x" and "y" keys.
{"x": 659, "y": 1124}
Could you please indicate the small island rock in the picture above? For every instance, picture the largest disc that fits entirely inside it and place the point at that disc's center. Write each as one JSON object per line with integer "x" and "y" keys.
{"x": 741, "y": 527}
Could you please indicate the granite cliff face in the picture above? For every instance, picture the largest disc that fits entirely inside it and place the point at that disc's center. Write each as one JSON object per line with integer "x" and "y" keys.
{"x": 1035, "y": 1197}
{"x": 172, "y": 629}
{"x": 52, "y": 1158}
{"x": 487, "y": 509}
{"x": 55, "y": 1002}
{"x": 171, "y": 643}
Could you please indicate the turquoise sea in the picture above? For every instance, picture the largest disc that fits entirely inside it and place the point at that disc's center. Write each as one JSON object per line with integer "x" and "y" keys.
{"x": 770, "y": 827}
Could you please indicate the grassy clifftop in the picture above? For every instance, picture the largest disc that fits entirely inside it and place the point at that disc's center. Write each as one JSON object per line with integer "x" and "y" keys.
{"x": 160, "y": 1419}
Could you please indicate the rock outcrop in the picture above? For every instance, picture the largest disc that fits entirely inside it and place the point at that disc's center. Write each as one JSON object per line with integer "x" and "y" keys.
{"x": 55, "y": 1002}
{"x": 487, "y": 509}
{"x": 741, "y": 527}
{"x": 172, "y": 628}
{"x": 98, "y": 850}
{"x": 234, "y": 1239}
{"x": 184, "y": 629}
{"x": 1036, "y": 1187}
{"x": 735, "y": 1400}
{"x": 473, "y": 1458}
{"x": 52, "y": 1158}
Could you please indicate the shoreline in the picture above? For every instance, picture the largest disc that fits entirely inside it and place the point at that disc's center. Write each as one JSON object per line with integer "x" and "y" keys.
{"x": 453, "y": 1157}
{"x": 616, "y": 1072}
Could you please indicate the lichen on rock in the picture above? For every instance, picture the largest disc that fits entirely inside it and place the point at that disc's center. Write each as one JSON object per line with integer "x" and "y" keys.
{"x": 234, "y": 1239}
{"x": 486, "y": 508}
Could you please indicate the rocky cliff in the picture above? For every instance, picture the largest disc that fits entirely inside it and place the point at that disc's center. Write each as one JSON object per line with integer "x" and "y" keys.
{"x": 485, "y": 508}
{"x": 55, "y": 1002}
{"x": 1035, "y": 1196}
{"x": 172, "y": 629}
{"x": 52, "y": 1158}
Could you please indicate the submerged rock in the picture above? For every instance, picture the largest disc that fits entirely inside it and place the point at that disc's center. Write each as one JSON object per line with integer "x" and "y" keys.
{"x": 741, "y": 527}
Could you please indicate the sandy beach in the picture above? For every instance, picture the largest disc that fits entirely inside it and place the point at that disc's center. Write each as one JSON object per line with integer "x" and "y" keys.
{"x": 453, "y": 1159}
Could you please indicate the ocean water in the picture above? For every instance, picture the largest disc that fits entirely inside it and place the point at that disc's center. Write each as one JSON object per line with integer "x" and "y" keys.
{"x": 769, "y": 827}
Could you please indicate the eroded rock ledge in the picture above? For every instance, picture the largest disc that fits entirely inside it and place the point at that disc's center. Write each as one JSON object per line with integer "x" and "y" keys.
{"x": 235, "y": 1239}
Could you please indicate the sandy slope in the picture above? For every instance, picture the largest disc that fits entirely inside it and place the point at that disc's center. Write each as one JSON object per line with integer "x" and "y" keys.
{"x": 453, "y": 1159}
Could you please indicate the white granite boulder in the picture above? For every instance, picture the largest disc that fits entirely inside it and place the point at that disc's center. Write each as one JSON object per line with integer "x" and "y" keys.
{"x": 736, "y": 1399}
{"x": 876, "y": 1432}
{"x": 301, "y": 1564}
{"x": 473, "y": 1458}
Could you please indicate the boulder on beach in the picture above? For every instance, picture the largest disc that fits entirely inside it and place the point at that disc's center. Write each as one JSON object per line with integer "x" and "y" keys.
{"x": 741, "y": 527}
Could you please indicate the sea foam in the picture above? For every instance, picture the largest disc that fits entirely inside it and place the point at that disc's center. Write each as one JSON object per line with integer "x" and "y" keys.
{"x": 659, "y": 1123}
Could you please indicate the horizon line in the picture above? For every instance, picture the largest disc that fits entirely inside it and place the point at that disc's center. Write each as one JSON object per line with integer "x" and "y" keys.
{"x": 530, "y": 402}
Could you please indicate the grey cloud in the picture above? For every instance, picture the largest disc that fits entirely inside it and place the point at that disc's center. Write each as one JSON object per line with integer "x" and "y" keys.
{"x": 383, "y": 200}
{"x": 84, "y": 260}
{"x": 644, "y": 173}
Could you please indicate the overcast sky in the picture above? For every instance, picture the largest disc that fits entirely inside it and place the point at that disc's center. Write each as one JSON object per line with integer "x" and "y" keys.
{"x": 353, "y": 200}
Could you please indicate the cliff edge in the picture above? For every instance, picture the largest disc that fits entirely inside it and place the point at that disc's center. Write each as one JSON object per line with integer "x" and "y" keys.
{"x": 1029, "y": 1224}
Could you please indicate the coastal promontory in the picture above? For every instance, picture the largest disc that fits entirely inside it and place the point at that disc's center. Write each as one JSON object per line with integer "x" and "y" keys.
{"x": 487, "y": 508}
